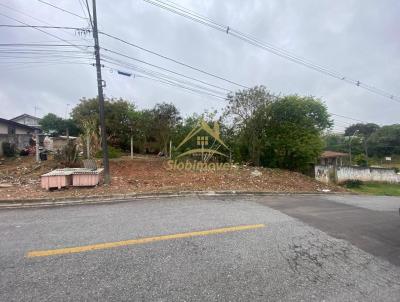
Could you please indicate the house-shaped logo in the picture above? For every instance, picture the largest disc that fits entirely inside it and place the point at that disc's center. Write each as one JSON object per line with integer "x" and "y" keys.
{"x": 208, "y": 142}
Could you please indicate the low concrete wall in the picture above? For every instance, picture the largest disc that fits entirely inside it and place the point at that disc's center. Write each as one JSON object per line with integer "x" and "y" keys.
{"x": 332, "y": 174}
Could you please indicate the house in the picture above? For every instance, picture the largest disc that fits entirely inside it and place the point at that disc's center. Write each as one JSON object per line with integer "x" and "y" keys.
{"x": 27, "y": 119}
{"x": 11, "y": 127}
{"x": 333, "y": 158}
{"x": 17, "y": 134}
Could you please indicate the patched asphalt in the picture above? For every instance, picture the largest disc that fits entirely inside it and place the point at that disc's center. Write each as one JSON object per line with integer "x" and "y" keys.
{"x": 311, "y": 248}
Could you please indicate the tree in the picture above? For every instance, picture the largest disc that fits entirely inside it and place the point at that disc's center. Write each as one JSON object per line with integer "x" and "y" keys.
{"x": 335, "y": 142}
{"x": 117, "y": 118}
{"x": 364, "y": 131}
{"x": 243, "y": 104}
{"x": 165, "y": 119}
{"x": 291, "y": 132}
{"x": 385, "y": 141}
{"x": 53, "y": 124}
{"x": 245, "y": 128}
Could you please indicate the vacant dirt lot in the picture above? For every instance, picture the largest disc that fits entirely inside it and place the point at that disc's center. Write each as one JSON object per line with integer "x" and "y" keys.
{"x": 20, "y": 179}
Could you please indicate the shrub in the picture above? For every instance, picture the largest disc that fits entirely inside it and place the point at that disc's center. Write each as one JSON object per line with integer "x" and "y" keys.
{"x": 68, "y": 154}
{"x": 8, "y": 149}
{"x": 112, "y": 153}
{"x": 352, "y": 183}
{"x": 361, "y": 160}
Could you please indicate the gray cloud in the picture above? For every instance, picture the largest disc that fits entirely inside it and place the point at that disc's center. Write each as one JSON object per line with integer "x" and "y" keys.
{"x": 356, "y": 38}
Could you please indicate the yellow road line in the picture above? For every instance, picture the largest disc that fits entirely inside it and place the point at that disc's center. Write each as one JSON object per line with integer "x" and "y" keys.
{"x": 109, "y": 245}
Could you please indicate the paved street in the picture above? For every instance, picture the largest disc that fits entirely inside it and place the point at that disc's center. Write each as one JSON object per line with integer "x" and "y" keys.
{"x": 266, "y": 248}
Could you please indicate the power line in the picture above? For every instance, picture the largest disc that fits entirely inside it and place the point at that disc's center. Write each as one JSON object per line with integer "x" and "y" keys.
{"x": 82, "y": 5}
{"x": 41, "y": 45}
{"x": 165, "y": 69}
{"x": 179, "y": 10}
{"x": 38, "y": 65}
{"x": 173, "y": 60}
{"x": 90, "y": 15}
{"x": 203, "y": 81}
{"x": 62, "y": 9}
{"x": 45, "y": 61}
{"x": 170, "y": 80}
{"x": 42, "y": 26}
{"x": 189, "y": 66}
{"x": 162, "y": 76}
{"x": 153, "y": 65}
{"x": 41, "y": 30}
{"x": 34, "y": 18}
{"x": 350, "y": 118}
{"x": 171, "y": 83}
{"x": 158, "y": 74}
{"x": 159, "y": 67}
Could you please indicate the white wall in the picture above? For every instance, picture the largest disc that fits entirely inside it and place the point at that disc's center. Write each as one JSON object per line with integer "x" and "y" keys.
{"x": 332, "y": 174}
{"x": 3, "y": 129}
{"x": 22, "y": 131}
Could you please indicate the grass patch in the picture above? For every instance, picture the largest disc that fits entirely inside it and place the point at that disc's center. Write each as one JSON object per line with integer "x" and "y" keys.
{"x": 378, "y": 189}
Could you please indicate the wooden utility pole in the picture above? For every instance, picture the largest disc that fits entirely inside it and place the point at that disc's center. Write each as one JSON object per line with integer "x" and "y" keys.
{"x": 131, "y": 147}
{"x": 101, "y": 97}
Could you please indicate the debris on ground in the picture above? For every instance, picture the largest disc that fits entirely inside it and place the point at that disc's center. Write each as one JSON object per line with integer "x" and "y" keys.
{"x": 256, "y": 173}
{"x": 147, "y": 174}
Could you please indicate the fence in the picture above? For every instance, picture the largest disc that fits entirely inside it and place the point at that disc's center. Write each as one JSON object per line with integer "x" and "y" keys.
{"x": 339, "y": 174}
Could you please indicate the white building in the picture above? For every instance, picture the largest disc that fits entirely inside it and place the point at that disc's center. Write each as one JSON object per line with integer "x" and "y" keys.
{"x": 28, "y": 120}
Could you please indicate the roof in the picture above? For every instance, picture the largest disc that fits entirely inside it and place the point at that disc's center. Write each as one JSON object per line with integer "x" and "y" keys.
{"x": 63, "y": 137}
{"x": 332, "y": 154}
{"x": 15, "y": 124}
{"x": 73, "y": 171}
{"x": 24, "y": 115}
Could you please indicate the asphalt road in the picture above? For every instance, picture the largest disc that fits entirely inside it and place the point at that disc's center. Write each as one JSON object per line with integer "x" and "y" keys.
{"x": 271, "y": 248}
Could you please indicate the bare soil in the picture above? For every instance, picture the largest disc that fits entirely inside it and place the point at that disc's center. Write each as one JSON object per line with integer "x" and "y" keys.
{"x": 20, "y": 179}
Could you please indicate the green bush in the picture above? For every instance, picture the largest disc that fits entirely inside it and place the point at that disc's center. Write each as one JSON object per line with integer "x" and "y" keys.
{"x": 361, "y": 160}
{"x": 8, "y": 149}
{"x": 112, "y": 153}
{"x": 352, "y": 183}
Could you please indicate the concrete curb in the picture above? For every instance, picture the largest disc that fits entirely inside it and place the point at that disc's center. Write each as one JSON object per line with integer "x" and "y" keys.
{"x": 98, "y": 199}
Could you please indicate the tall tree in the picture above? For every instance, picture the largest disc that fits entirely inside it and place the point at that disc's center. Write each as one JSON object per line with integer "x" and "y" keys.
{"x": 166, "y": 118}
{"x": 292, "y": 128}
{"x": 54, "y": 124}
{"x": 117, "y": 117}
{"x": 364, "y": 131}
{"x": 240, "y": 117}
{"x": 385, "y": 141}
{"x": 243, "y": 104}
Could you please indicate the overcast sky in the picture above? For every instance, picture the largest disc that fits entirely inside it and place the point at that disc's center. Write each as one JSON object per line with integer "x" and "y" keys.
{"x": 357, "y": 38}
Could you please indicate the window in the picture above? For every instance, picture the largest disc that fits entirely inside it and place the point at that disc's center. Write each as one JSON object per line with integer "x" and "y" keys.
{"x": 11, "y": 130}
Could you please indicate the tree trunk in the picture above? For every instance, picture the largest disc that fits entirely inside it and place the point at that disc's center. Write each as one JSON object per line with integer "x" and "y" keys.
{"x": 88, "y": 146}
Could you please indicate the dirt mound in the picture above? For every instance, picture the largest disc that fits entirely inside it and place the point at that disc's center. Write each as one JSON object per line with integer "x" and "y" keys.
{"x": 20, "y": 179}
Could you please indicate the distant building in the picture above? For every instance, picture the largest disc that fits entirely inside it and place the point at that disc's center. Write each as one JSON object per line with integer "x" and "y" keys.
{"x": 27, "y": 119}
{"x": 332, "y": 158}
{"x": 10, "y": 127}
{"x": 15, "y": 133}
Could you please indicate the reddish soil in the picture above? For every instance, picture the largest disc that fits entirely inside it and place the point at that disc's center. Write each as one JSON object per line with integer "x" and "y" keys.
{"x": 20, "y": 179}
